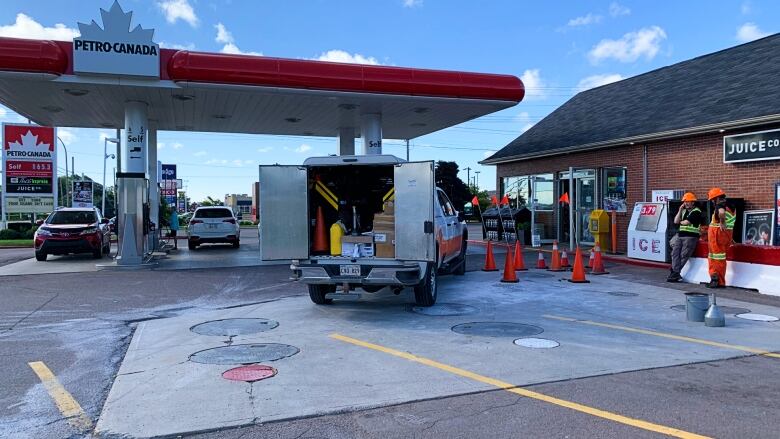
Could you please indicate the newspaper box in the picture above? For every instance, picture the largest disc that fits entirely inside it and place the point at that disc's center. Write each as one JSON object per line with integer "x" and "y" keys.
{"x": 599, "y": 227}
{"x": 647, "y": 232}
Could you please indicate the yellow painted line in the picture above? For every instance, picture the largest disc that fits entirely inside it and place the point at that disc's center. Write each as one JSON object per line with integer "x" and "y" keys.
{"x": 319, "y": 189}
{"x": 389, "y": 194}
{"x": 666, "y": 335}
{"x": 633, "y": 422}
{"x": 67, "y": 405}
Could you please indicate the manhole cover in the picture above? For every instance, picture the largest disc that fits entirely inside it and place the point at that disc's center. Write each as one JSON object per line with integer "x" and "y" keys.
{"x": 723, "y": 309}
{"x": 250, "y": 373}
{"x": 622, "y": 293}
{"x": 537, "y": 343}
{"x": 445, "y": 309}
{"x": 231, "y": 327}
{"x": 497, "y": 329}
{"x": 757, "y": 317}
{"x": 244, "y": 353}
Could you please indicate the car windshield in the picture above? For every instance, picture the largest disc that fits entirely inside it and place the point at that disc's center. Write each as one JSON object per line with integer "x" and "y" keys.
{"x": 213, "y": 213}
{"x": 71, "y": 217}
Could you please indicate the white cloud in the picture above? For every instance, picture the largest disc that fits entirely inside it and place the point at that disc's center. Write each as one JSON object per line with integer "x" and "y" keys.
{"x": 200, "y": 154}
{"x": 413, "y": 3}
{"x": 749, "y": 32}
{"x": 248, "y": 162}
{"x": 237, "y": 163}
{"x": 594, "y": 81}
{"x": 584, "y": 20}
{"x": 265, "y": 149}
{"x": 645, "y": 42}
{"x": 345, "y": 57}
{"x": 524, "y": 118}
{"x": 216, "y": 162}
{"x": 487, "y": 154}
{"x": 67, "y": 135}
{"x": 303, "y": 148}
{"x": 177, "y": 145}
{"x": 229, "y": 43}
{"x": 160, "y": 145}
{"x": 26, "y": 27}
{"x": 188, "y": 46}
{"x": 3, "y": 112}
{"x": 746, "y": 8}
{"x": 534, "y": 84}
{"x": 176, "y": 10}
{"x": 616, "y": 10}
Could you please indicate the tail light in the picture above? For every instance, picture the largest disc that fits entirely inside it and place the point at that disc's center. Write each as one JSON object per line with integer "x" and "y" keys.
{"x": 196, "y": 221}
{"x": 231, "y": 221}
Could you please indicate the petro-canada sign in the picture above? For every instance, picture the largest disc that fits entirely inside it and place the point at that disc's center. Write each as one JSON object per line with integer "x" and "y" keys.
{"x": 114, "y": 49}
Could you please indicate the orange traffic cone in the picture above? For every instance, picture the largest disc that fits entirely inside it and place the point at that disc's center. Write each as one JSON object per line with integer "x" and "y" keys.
{"x": 590, "y": 259}
{"x": 565, "y": 259}
{"x": 320, "y": 236}
{"x": 598, "y": 264}
{"x": 490, "y": 262}
{"x": 578, "y": 274}
{"x": 556, "y": 258}
{"x": 509, "y": 268}
{"x": 518, "y": 258}
{"x": 540, "y": 262}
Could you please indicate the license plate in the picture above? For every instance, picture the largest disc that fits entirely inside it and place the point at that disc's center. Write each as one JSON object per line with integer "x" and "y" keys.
{"x": 349, "y": 270}
{"x": 212, "y": 226}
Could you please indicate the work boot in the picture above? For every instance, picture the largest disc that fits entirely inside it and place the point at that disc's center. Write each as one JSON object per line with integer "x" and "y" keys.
{"x": 713, "y": 282}
{"x": 674, "y": 277}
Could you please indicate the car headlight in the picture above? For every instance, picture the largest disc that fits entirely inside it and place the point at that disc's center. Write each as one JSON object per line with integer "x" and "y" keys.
{"x": 42, "y": 232}
{"x": 89, "y": 231}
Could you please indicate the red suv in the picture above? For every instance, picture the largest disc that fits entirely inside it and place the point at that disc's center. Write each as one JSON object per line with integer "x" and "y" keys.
{"x": 73, "y": 230}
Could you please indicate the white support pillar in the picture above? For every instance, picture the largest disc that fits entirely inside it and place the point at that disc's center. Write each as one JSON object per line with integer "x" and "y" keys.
{"x": 154, "y": 190}
{"x": 133, "y": 177}
{"x": 371, "y": 131}
{"x": 346, "y": 141}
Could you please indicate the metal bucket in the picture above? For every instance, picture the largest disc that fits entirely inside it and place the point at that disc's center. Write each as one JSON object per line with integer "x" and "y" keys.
{"x": 696, "y": 305}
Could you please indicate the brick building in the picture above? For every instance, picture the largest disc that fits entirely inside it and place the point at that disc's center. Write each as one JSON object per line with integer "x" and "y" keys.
{"x": 668, "y": 129}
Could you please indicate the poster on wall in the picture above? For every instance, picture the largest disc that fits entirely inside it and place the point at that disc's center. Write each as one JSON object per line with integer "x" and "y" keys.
{"x": 614, "y": 189}
{"x": 29, "y": 168}
{"x": 758, "y": 227}
{"x": 82, "y": 193}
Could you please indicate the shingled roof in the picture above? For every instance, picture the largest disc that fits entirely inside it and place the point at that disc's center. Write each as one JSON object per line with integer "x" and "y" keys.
{"x": 738, "y": 86}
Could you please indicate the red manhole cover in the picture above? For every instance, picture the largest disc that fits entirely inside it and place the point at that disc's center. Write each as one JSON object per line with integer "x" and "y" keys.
{"x": 251, "y": 373}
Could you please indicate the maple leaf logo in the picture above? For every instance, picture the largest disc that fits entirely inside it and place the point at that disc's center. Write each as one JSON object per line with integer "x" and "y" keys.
{"x": 117, "y": 20}
{"x": 29, "y": 141}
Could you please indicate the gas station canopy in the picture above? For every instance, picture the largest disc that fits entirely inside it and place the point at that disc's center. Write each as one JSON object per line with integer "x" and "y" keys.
{"x": 214, "y": 92}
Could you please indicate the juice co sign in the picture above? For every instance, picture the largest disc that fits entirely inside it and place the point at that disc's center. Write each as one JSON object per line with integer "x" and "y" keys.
{"x": 115, "y": 49}
{"x": 761, "y": 145}
{"x": 29, "y": 167}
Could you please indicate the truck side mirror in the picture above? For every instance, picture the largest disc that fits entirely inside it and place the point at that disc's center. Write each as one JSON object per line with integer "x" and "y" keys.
{"x": 39, "y": 223}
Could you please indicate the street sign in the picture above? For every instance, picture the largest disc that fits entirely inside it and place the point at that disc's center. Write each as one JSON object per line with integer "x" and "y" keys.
{"x": 30, "y": 168}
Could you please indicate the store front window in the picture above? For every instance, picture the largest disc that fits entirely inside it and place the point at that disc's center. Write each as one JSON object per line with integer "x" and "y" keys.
{"x": 614, "y": 189}
{"x": 517, "y": 189}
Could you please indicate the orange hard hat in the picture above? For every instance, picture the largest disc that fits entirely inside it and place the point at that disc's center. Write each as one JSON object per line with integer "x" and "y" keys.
{"x": 715, "y": 193}
{"x": 689, "y": 196}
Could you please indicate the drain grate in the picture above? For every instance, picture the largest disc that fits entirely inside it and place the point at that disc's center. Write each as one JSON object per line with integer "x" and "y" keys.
{"x": 497, "y": 329}
{"x": 250, "y": 374}
{"x": 446, "y": 309}
{"x": 244, "y": 353}
{"x": 233, "y": 327}
{"x": 723, "y": 309}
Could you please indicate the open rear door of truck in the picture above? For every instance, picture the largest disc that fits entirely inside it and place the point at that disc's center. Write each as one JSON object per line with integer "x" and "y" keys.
{"x": 283, "y": 213}
{"x": 414, "y": 230}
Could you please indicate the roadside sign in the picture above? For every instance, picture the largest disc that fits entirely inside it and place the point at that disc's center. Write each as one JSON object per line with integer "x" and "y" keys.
{"x": 30, "y": 168}
{"x": 83, "y": 193}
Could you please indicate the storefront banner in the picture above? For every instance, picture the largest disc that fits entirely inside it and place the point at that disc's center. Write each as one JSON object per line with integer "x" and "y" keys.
{"x": 760, "y": 145}
{"x": 662, "y": 196}
{"x": 22, "y": 204}
{"x": 758, "y": 227}
{"x": 168, "y": 183}
{"x": 83, "y": 193}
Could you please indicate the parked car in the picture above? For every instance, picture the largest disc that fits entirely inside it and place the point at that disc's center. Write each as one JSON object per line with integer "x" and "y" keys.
{"x": 213, "y": 225}
{"x": 73, "y": 230}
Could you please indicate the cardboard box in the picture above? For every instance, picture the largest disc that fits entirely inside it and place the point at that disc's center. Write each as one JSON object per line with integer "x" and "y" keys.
{"x": 389, "y": 208}
{"x": 385, "y": 250}
{"x": 357, "y": 246}
{"x": 384, "y": 236}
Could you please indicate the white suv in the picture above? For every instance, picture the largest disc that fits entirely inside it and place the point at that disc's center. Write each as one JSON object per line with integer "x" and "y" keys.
{"x": 213, "y": 225}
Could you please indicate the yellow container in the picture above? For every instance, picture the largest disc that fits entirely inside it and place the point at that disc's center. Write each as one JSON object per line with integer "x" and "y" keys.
{"x": 336, "y": 232}
{"x": 599, "y": 227}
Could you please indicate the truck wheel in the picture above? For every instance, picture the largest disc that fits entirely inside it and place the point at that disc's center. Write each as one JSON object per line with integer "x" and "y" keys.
{"x": 40, "y": 256}
{"x": 191, "y": 244}
{"x": 97, "y": 254}
{"x": 317, "y": 293}
{"x": 460, "y": 267}
{"x": 425, "y": 292}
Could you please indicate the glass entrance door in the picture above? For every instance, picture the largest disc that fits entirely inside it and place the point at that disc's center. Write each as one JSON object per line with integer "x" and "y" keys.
{"x": 585, "y": 195}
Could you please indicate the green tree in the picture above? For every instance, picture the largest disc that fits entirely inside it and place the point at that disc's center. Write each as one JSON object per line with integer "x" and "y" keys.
{"x": 447, "y": 179}
{"x": 211, "y": 202}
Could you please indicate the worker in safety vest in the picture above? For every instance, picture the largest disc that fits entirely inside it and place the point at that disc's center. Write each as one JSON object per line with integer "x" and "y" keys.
{"x": 719, "y": 236}
{"x": 689, "y": 219}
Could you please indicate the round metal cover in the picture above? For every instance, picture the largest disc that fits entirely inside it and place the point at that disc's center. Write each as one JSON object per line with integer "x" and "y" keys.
{"x": 250, "y": 373}
{"x": 723, "y": 309}
{"x": 622, "y": 293}
{"x": 537, "y": 343}
{"x": 233, "y": 327}
{"x": 497, "y": 329}
{"x": 758, "y": 317}
{"x": 445, "y": 309}
{"x": 244, "y": 353}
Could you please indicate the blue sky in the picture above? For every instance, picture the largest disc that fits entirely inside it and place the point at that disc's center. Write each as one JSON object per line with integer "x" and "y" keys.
{"x": 558, "y": 48}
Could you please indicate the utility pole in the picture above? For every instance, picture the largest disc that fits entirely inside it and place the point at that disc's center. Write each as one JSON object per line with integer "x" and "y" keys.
{"x": 477, "y": 174}
{"x": 407, "y": 150}
{"x": 468, "y": 175}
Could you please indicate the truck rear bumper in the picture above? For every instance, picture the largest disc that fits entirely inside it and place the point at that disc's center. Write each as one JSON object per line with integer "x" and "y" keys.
{"x": 328, "y": 274}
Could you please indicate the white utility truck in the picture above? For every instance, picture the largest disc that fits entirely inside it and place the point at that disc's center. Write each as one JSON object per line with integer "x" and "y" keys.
{"x": 360, "y": 221}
